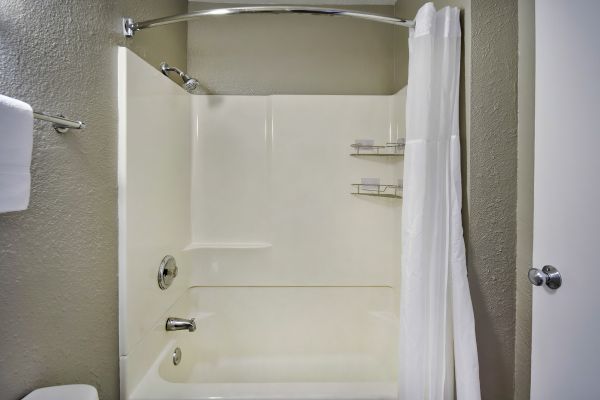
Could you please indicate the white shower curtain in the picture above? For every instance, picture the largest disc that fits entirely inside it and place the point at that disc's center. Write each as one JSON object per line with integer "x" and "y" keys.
{"x": 438, "y": 353}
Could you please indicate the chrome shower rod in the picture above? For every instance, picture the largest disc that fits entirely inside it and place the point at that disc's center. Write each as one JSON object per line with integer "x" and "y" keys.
{"x": 130, "y": 26}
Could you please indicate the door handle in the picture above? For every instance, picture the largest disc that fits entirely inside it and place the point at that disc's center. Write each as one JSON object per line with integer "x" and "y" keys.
{"x": 548, "y": 275}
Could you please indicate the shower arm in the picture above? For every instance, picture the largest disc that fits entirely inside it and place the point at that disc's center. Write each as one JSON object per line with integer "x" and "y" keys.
{"x": 130, "y": 26}
{"x": 166, "y": 68}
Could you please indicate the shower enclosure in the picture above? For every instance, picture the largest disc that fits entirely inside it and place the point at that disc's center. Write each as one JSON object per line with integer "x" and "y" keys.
{"x": 291, "y": 276}
{"x": 260, "y": 237}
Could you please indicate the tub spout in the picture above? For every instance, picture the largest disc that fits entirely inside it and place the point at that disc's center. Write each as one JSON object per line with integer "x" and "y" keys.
{"x": 180, "y": 324}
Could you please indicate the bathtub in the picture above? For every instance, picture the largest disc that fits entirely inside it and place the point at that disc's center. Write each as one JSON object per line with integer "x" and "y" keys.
{"x": 277, "y": 343}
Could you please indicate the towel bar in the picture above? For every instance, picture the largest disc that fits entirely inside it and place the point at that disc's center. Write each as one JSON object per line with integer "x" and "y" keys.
{"x": 59, "y": 122}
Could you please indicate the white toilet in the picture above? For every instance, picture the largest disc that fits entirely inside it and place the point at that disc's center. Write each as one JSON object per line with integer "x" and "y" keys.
{"x": 64, "y": 392}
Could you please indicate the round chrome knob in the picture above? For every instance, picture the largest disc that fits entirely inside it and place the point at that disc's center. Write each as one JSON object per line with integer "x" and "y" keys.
{"x": 167, "y": 271}
{"x": 536, "y": 277}
{"x": 548, "y": 275}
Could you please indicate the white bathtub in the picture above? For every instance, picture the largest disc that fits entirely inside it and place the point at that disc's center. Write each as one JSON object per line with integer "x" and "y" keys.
{"x": 278, "y": 343}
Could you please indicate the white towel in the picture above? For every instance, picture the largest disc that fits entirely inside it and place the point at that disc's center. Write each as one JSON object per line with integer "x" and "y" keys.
{"x": 16, "y": 142}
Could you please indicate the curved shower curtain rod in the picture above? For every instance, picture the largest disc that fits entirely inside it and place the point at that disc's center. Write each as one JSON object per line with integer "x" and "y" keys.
{"x": 130, "y": 26}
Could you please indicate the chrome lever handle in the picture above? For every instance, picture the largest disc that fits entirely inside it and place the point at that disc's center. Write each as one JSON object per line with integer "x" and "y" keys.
{"x": 548, "y": 275}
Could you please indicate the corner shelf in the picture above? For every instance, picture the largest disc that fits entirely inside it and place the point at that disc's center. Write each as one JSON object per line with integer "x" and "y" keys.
{"x": 384, "y": 150}
{"x": 376, "y": 190}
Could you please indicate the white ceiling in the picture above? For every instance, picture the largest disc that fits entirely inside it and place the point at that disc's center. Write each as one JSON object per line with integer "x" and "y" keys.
{"x": 304, "y": 2}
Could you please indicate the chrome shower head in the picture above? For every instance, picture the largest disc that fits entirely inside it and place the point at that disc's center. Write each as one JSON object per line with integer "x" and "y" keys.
{"x": 189, "y": 83}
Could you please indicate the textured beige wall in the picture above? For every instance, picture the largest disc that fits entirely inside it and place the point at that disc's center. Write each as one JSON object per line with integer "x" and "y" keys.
{"x": 58, "y": 259}
{"x": 525, "y": 160}
{"x": 292, "y": 54}
{"x": 491, "y": 241}
{"x": 489, "y": 142}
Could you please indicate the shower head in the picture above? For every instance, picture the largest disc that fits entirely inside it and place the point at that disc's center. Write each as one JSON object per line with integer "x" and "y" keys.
{"x": 189, "y": 83}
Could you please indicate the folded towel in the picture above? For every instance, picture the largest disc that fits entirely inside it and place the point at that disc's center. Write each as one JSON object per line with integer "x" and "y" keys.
{"x": 16, "y": 142}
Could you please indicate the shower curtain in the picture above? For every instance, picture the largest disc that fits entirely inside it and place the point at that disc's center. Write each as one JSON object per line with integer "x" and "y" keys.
{"x": 438, "y": 353}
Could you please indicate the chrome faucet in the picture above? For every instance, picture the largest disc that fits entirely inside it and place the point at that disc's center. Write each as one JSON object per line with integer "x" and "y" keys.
{"x": 180, "y": 324}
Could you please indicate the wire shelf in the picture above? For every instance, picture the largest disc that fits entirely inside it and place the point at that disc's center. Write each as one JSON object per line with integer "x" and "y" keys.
{"x": 377, "y": 190}
{"x": 384, "y": 150}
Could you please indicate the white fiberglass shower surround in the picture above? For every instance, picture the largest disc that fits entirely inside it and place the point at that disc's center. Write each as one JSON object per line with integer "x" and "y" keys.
{"x": 287, "y": 224}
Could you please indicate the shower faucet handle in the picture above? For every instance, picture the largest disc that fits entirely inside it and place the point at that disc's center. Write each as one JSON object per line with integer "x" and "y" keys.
{"x": 167, "y": 271}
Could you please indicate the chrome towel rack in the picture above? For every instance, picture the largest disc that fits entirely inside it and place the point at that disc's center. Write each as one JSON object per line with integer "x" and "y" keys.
{"x": 59, "y": 122}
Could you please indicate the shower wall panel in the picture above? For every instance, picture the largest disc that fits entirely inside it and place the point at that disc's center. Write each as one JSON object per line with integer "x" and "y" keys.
{"x": 271, "y": 186}
{"x": 154, "y": 192}
{"x": 231, "y": 161}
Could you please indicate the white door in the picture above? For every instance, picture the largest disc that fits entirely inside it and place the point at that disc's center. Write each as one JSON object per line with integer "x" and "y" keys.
{"x": 565, "y": 363}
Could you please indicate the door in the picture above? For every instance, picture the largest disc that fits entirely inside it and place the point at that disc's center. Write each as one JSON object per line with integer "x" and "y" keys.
{"x": 565, "y": 361}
